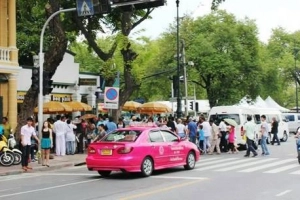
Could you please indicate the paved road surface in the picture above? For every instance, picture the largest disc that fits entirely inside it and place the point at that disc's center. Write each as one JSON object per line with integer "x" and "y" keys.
{"x": 226, "y": 176}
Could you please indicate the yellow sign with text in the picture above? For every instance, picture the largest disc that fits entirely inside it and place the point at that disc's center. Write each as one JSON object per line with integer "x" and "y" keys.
{"x": 53, "y": 97}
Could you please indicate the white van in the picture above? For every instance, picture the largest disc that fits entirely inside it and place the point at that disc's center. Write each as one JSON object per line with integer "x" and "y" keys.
{"x": 283, "y": 129}
{"x": 237, "y": 113}
{"x": 293, "y": 121}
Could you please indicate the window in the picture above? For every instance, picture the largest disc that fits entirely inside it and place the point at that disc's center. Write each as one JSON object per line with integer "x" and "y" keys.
{"x": 169, "y": 137}
{"x": 155, "y": 136}
{"x": 291, "y": 118}
{"x": 122, "y": 136}
{"x": 298, "y": 117}
{"x": 218, "y": 118}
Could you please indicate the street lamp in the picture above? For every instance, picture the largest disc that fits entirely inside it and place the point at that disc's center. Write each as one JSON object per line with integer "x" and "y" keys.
{"x": 296, "y": 51}
{"x": 178, "y": 111}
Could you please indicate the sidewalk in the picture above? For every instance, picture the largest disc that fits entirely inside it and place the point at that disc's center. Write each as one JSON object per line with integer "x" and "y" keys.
{"x": 57, "y": 162}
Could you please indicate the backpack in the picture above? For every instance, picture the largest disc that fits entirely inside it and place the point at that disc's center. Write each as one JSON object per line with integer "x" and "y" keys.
{"x": 1, "y": 130}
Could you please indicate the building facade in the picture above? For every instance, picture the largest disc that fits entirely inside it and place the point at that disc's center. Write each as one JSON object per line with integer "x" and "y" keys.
{"x": 9, "y": 67}
{"x": 68, "y": 83}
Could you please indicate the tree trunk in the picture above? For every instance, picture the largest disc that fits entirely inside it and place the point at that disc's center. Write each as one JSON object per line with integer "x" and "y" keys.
{"x": 52, "y": 59}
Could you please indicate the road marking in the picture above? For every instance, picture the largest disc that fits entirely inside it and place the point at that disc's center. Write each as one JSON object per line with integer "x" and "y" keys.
{"x": 159, "y": 190}
{"x": 67, "y": 174}
{"x": 17, "y": 177}
{"x": 283, "y": 193}
{"x": 180, "y": 177}
{"x": 280, "y": 169}
{"x": 47, "y": 188}
{"x": 208, "y": 159}
{"x": 215, "y": 161}
{"x": 268, "y": 165}
{"x": 245, "y": 165}
{"x": 296, "y": 172}
{"x": 222, "y": 165}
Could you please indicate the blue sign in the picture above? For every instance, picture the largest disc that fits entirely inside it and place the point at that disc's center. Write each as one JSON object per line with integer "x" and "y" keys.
{"x": 85, "y": 7}
{"x": 111, "y": 94}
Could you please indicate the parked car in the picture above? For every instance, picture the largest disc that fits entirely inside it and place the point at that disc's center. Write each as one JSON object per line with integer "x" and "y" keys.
{"x": 140, "y": 149}
{"x": 293, "y": 121}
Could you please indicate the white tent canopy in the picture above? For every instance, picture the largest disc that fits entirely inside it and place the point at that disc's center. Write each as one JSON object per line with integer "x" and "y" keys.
{"x": 259, "y": 102}
{"x": 272, "y": 104}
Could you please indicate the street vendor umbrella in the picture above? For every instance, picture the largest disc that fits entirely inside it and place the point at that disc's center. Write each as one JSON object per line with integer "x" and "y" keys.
{"x": 88, "y": 116}
{"x": 53, "y": 107}
{"x": 101, "y": 108}
{"x": 131, "y": 106}
{"x": 231, "y": 122}
{"x": 154, "y": 108}
{"x": 78, "y": 106}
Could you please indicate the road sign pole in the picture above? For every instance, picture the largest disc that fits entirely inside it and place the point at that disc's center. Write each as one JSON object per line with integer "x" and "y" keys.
{"x": 41, "y": 65}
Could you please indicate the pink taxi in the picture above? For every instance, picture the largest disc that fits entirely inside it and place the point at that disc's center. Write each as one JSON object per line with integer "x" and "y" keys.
{"x": 140, "y": 149}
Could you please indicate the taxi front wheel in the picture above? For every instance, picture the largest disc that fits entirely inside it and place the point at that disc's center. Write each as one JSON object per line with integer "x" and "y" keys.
{"x": 190, "y": 161}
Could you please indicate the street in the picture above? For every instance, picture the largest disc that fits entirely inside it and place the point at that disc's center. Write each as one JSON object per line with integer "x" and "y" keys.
{"x": 226, "y": 176}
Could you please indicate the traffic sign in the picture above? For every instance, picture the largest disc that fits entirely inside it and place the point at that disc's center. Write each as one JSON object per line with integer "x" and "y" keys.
{"x": 85, "y": 7}
{"x": 111, "y": 98}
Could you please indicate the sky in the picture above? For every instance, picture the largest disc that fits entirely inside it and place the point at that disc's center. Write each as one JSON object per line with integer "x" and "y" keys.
{"x": 268, "y": 14}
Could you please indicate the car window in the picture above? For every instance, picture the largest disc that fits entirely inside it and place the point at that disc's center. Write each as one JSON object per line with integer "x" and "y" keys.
{"x": 169, "y": 137}
{"x": 155, "y": 136}
{"x": 291, "y": 118}
{"x": 122, "y": 136}
{"x": 298, "y": 117}
{"x": 218, "y": 118}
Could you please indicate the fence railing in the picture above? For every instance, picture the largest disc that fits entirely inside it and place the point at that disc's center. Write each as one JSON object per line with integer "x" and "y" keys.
{"x": 5, "y": 54}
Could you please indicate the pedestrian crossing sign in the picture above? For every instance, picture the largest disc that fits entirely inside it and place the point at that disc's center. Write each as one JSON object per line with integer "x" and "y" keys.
{"x": 85, "y": 7}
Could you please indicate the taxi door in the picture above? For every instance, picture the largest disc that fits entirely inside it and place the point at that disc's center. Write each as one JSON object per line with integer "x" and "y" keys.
{"x": 175, "y": 149}
{"x": 158, "y": 148}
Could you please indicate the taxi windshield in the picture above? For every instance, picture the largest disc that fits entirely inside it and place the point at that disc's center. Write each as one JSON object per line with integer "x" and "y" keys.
{"x": 122, "y": 136}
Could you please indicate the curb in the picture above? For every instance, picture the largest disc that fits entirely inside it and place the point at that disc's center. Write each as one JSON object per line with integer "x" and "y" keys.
{"x": 41, "y": 169}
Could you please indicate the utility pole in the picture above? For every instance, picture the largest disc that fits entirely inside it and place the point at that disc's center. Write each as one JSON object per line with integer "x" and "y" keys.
{"x": 185, "y": 79}
{"x": 178, "y": 111}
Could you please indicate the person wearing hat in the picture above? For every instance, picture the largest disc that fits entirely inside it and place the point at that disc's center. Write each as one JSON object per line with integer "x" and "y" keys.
{"x": 27, "y": 131}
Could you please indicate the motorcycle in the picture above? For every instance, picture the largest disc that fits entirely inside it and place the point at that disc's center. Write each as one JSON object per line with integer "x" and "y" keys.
{"x": 7, "y": 156}
{"x": 11, "y": 143}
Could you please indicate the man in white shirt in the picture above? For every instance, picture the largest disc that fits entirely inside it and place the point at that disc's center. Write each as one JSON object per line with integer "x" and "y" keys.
{"x": 27, "y": 131}
{"x": 249, "y": 131}
{"x": 223, "y": 131}
{"x": 264, "y": 135}
{"x": 60, "y": 129}
{"x": 207, "y": 133}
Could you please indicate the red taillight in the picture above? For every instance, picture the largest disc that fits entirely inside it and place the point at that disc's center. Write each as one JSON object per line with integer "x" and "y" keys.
{"x": 91, "y": 150}
{"x": 124, "y": 150}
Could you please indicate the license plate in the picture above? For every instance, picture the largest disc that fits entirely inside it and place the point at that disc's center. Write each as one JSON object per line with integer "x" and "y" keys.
{"x": 106, "y": 152}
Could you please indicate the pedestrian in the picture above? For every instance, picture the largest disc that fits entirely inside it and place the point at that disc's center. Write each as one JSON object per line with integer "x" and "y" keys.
{"x": 171, "y": 124}
{"x": 249, "y": 132}
{"x": 6, "y": 127}
{"x": 180, "y": 129}
{"x": 231, "y": 139}
{"x": 60, "y": 131}
{"x": 121, "y": 123}
{"x": 224, "y": 141}
{"x": 215, "y": 138}
{"x": 207, "y": 133}
{"x": 102, "y": 132}
{"x": 192, "y": 130}
{"x": 274, "y": 131}
{"x": 70, "y": 138}
{"x": 46, "y": 143}
{"x": 264, "y": 135}
{"x": 111, "y": 125}
{"x": 27, "y": 131}
{"x": 201, "y": 138}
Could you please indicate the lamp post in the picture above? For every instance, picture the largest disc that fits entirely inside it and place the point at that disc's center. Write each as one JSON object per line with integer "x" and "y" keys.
{"x": 178, "y": 111}
{"x": 296, "y": 51}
